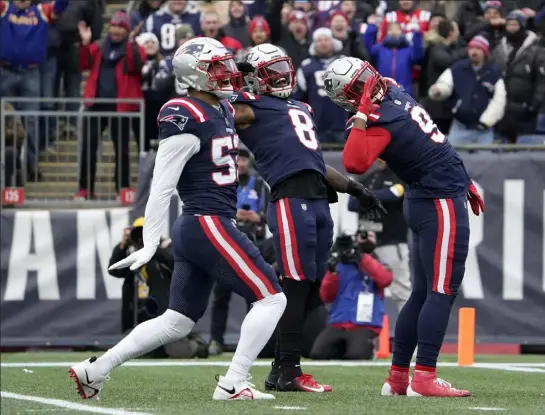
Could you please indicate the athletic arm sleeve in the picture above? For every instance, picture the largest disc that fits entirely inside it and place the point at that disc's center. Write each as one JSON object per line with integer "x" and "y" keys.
{"x": 172, "y": 156}
{"x": 363, "y": 147}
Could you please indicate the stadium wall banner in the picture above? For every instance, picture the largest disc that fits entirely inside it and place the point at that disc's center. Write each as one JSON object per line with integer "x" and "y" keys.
{"x": 55, "y": 288}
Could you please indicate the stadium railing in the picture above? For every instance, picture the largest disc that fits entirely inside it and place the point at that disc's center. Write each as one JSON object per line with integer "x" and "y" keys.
{"x": 58, "y": 136}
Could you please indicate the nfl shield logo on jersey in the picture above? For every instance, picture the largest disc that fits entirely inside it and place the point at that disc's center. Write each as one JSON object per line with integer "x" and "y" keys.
{"x": 178, "y": 120}
{"x": 304, "y": 206}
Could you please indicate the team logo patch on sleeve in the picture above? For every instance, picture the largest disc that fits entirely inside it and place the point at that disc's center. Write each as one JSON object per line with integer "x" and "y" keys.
{"x": 178, "y": 120}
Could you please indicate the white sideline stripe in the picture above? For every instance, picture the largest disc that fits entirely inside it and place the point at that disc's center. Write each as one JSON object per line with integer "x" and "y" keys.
{"x": 485, "y": 408}
{"x": 291, "y": 408}
{"x": 514, "y": 367}
{"x": 69, "y": 405}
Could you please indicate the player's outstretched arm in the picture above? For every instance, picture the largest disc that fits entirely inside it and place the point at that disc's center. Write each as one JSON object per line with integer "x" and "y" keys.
{"x": 370, "y": 205}
{"x": 172, "y": 156}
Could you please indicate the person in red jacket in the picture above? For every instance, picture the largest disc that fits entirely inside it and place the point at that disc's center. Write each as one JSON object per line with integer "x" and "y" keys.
{"x": 409, "y": 17}
{"x": 354, "y": 284}
{"x": 210, "y": 26}
{"x": 115, "y": 72}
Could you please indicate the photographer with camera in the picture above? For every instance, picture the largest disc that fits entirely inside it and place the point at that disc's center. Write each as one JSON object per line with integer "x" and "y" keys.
{"x": 149, "y": 286}
{"x": 354, "y": 285}
{"x": 252, "y": 197}
{"x": 391, "y": 231}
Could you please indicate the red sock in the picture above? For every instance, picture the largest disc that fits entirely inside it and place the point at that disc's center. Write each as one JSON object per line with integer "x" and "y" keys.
{"x": 424, "y": 368}
{"x": 399, "y": 368}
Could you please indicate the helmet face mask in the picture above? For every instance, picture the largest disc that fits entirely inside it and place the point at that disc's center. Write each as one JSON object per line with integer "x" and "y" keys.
{"x": 274, "y": 73}
{"x": 204, "y": 64}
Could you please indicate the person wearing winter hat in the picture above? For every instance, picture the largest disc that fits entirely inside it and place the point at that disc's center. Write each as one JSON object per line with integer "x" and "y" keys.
{"x": 492, "y": 24}
{"x": 521, "y": 58}
{"x": 237, "y": 26}
{"x": 330, "y": 119}
{"x": 477, "y": 95}
{"x": 259, "y": 32}
{"x": 293, "y": 37}
{"x": 341, "y": 29}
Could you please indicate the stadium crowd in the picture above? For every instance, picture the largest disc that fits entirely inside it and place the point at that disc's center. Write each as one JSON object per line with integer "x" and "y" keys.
{"x": 477, "y": 66}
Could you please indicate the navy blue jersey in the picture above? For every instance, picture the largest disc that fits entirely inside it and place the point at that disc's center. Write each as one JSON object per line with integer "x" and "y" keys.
{"x": 310, "y": 88}
{"x": 163, "y": 24}
{"x": 282, "y": 137}
{"x": 209, "y": 181}
{"x": 418, "y": 153}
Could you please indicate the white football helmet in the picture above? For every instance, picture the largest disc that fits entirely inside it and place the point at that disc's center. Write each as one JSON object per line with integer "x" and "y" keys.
{"x": 344, "y": 79}
{"x": 206, "y": 65}
{"x": 273, "y": 71}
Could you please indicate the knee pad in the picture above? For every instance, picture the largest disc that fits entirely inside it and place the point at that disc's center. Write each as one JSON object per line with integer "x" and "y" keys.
{"x": 175, "y": 324}
{"x": 277, "y": 300}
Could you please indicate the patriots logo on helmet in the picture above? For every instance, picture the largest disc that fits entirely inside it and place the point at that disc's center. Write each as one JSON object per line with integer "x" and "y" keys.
{"x": 328, "y": 84}
{"x": 192, "y": 49}
{"x": 178, "y": 120}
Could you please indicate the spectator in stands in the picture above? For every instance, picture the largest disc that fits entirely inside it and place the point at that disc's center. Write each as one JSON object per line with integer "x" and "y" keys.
{"x": 431, "y": 37}
{"x": 210, "y": 27}
{"x": 154, "y": 98}
{"x": 163, "y": 23}
{"x": 395, "y": 56}
{"x": 259, "y": 31}
{"x": 354, "y": 285}
{"x": 330, "y": 121}
{"x": 443, "y": 52}
{"x": 477, "y": 95}
{"x": 115, "y": 71}
{"x": 341, "y": 29}
{"x": 410, "y": 18}
{"x": 144, "y": 9}
{"x": 539, "y": 22}
{"x": 237, "y": 26}
{"x": 492, "y": 24}
{"x": 165, "y": 81}
{"x": 294, "y": 36}
{"x": 68, "y": 76}
{"x": 521, "y": 60}
{"x": 256, "y": 8}
{"x": 23, "y": 48}
{"x": 14, "y": 133}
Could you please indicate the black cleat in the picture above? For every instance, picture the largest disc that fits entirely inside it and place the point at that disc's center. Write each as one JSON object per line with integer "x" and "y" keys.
{"x": 272, "y": 378}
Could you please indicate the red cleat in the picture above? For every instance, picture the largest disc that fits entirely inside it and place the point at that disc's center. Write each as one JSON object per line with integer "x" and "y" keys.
{"x": 303, "y": 383}
{"x": 428, "y": 385}
{"x": 396, "y": 383}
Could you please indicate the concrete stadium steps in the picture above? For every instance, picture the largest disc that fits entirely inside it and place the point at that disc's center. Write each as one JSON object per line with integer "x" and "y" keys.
{"x": 72, "y": 176}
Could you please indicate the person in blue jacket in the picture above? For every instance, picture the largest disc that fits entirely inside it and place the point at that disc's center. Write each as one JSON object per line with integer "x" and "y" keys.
{"x": 396, "y": 55}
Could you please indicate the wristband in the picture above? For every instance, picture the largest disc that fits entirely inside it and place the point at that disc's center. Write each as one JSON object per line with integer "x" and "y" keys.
{"x": 361, "y": 116}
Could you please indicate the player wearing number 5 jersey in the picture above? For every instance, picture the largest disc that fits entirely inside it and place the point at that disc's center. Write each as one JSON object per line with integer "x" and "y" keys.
{"x": 281, "y": 134}
{"x": 388, "y": 123}
{"x": 197, "y": 156}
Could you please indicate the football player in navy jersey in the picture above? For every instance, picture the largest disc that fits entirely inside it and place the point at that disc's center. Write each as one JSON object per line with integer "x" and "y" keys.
{"x": 164, "y": 22}
{"x": 388, "y": 123}
{"x": 197, "y": 157}
{"x": 281, "y": 134}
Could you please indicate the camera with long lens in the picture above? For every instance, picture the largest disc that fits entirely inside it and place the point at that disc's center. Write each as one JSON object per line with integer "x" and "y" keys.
{"x": 346, "y": 250}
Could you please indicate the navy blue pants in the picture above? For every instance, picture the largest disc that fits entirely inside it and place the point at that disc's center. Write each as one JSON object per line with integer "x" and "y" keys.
{"x": 440, "y": 237}
{"x": 210, "y": 249}
{"x": 303, "y": 234}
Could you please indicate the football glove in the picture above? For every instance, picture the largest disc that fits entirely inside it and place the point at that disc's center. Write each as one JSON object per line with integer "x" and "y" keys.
{"x": 136, "y": 259}
{"x": 475, "y": 200}
{"x": 366, "y": 106}
{"x": 371, "y": 207}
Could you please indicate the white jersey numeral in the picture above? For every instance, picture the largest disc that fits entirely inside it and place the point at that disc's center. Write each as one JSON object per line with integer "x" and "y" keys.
{"x": 222, "y": 157}
{"x": 424, "y": 121}
{"x": 304, "y": 128}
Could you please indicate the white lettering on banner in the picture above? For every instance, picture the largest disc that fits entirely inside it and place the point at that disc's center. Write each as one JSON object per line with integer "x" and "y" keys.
{"x": 344, "y": 220}
{"x": 23, "y": 258}
{"x": 513, "y": 239}
{"x": 96, "y": 237}
{"x": 472, "y": 284}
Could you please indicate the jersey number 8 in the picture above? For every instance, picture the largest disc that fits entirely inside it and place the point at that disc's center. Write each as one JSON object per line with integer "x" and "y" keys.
{"x": 222, "y": 157}
{"x": 424, "y": 121}
{"x": 168, "y": 35}
{"x": 304, "y": 128}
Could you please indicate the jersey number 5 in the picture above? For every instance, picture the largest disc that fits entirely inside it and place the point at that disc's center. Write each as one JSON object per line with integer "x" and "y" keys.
{"x": 222, "y": 157}
{"x": 424, "y": 121}
{"x": 304, "y": 128}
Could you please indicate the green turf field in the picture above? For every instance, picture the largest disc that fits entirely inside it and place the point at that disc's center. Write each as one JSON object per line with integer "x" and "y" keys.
{"x": 39, "y": 383}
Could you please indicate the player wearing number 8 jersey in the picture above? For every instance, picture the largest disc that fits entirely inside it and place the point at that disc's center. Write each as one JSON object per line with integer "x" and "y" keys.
{"x": 281, "y": 134}
{"x": 197, "y": 156}
{"x": 388, "y": 123}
